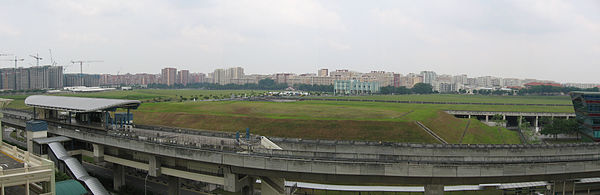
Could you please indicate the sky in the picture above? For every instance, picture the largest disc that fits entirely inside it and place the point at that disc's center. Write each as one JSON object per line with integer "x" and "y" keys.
{"x": 542, "y": 39}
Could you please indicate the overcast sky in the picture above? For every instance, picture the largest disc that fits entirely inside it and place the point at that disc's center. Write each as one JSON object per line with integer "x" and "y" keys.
{"x": 545, "y": 39}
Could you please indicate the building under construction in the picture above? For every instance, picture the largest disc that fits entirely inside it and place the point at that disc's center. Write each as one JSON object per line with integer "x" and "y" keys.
{"x": 36, "y": 77}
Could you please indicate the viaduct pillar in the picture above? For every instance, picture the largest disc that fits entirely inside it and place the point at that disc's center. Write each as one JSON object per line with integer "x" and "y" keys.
{"x": 236, "y": 182}
{"x": 487, "y": 118}
{"x": 272, "y": 186}
{"x": 153, "y": 166}
{"x": 98, "y": 152}
{"x": 118, "y": 176}
{"x": 434, "y": 189}
{"x": 174, "y": 184}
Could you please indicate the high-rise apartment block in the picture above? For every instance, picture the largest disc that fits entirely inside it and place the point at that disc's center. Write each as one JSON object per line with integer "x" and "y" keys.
{"x": 168, "y": 76}
{"x": 226, "y": 76}
{"x": 76, "y": 79}
{"x": 183, "y": 77}
{"x": 429, "y": 76}
{"x": 36, "y": 77}
{"x": 323, "y": 72}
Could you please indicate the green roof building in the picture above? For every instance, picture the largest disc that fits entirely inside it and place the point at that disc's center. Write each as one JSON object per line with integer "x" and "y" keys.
{"x": 70, "y": 187}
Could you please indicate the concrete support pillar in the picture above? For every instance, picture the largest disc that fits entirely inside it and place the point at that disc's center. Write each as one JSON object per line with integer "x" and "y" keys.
{"x": 248, "y": 189}
{"x": 118, "y": 176}
{"x": 520, "y": 120}
{"x": 272, "y": 186}
{"x": 537, "y": 121}
{"x": 98, "y": 152}
{"x": 503, "y": 117}
{"x": 469, "y": 116}
{"x": 1, "y": 129}
{"x": 434, "y": 189}
{"x": 487, "y": 118}
{"x": 232, "y": 183}
{"x": 174, "y": 185}
{"x": 563, "y": 187}
{"x": 154, "y": 166}
{"x": 567, "y": 117}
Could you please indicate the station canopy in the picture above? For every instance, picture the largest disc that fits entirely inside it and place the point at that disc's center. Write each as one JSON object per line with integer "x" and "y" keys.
{"x": 79, "y": 104}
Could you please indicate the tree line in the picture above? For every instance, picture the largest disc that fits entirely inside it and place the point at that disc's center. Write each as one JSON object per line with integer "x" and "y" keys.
{"x": 419, "y": 88}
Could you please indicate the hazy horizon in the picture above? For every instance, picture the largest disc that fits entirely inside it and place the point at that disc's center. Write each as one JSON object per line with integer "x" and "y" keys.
{"x": 538, "y": 39}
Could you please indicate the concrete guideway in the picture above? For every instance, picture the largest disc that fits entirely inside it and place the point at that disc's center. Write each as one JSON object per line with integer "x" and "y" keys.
{"x": 352, "y": 162}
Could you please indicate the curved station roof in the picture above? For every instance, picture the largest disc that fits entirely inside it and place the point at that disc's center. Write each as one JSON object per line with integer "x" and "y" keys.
{"x": 78, "y": 104}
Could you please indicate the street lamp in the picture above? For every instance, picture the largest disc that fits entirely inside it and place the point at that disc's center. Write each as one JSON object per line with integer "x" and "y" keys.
{"x": 146, "y": 179}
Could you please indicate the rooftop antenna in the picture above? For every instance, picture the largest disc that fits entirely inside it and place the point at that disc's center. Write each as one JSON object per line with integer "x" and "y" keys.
{"x": 37, "y": 58}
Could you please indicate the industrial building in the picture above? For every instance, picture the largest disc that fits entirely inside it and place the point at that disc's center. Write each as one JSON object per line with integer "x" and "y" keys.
{"x": 355, "y": 87}
{"x": 587, "y": 111}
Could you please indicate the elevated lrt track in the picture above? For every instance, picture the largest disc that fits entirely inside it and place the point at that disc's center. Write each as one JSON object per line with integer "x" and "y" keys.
{"x": 220, "y": 158}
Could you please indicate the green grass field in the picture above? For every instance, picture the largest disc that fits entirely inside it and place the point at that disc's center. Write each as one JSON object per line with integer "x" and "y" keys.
{"x": 466, "y": 98}
{"x": 321, "y": 120}
{"x": 338, "y": 120}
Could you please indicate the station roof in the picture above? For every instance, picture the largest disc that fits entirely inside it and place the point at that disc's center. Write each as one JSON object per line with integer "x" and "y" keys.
{"x": 78, "y": 104}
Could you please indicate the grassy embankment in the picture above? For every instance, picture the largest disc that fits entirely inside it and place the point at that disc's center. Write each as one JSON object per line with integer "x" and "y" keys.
{"x": 331, "y": 120}
{"x": 466, "y": 98}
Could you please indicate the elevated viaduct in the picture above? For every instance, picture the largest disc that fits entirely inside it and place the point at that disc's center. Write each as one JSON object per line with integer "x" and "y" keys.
{"x": 320, "y": 161}
{"x": 222, "y": 159}
{"x": 512, "y": 118}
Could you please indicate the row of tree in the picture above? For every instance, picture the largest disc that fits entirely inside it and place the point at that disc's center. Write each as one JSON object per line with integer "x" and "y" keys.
{"x": 419, "y": 88}
{"x": 555, "y": 126}
{"x": 551, "y": 90}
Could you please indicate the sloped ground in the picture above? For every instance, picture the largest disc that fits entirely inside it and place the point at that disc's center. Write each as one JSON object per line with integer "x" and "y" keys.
{"x": 297, "y": 128}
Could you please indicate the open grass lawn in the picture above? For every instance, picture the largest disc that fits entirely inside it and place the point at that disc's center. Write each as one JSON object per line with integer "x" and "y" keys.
{"x": 317, "y": 120}
{"x": 467, "y": 98}
{"x": 374, "y": 121}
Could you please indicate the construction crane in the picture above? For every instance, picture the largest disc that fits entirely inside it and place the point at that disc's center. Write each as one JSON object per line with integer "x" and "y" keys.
{"x": 37, "y": 59}
{"x": 14, "y": 60}
{"x": 53, "y": 63}
{"x": 80, "y": 62}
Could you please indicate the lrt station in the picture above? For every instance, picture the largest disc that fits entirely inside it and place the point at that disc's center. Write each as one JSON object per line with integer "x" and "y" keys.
{"x": 191, "y": 161}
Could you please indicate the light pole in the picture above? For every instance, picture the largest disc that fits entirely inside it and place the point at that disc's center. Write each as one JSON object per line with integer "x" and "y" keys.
{"x": 146, "y": 179}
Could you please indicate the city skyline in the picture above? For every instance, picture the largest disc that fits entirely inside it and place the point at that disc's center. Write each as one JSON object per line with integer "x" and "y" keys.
{"x": 520, "y": 39}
